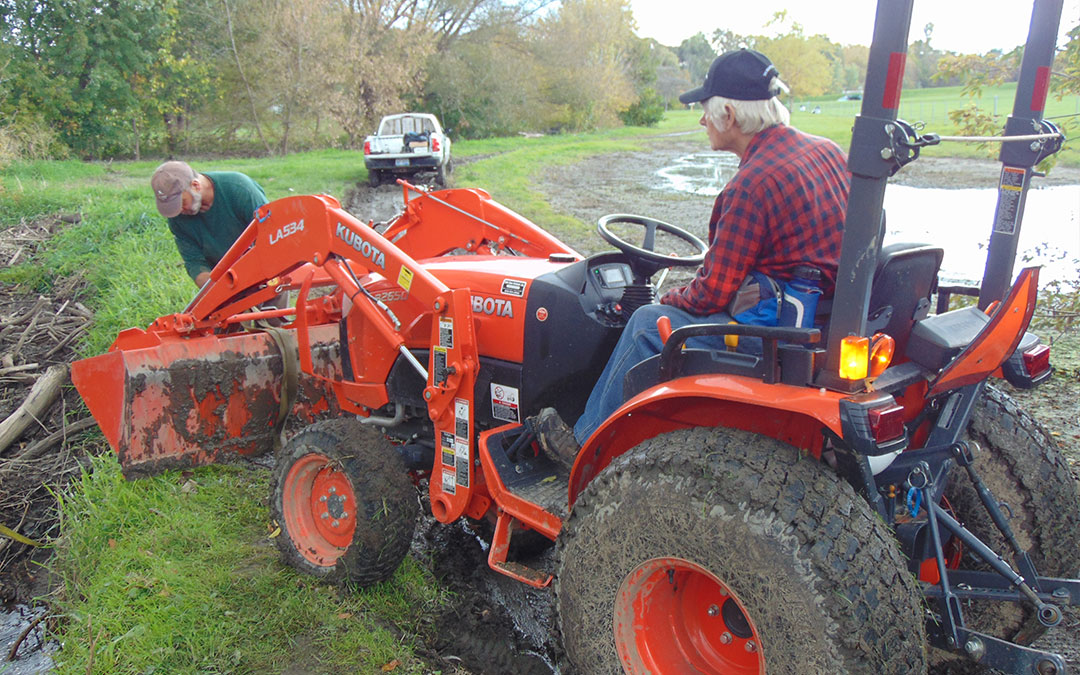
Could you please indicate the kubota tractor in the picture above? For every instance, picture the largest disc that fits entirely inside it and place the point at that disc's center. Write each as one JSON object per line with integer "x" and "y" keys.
{"x": 859, "y": 498}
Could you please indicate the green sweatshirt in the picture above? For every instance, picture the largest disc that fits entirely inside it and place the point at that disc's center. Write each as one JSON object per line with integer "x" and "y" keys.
{"x": 204, "y": 239}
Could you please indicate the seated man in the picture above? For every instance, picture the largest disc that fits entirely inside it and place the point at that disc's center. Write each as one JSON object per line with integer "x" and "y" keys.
{"x": 784, "y": 208}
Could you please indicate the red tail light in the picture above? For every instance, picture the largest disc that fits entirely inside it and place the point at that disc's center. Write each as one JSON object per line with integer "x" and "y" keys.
{"x": 886, "y": 424}
{"x": 434, "y": 145}
{"x": 367, "y": 147}
{"x": 1037, "y": 360}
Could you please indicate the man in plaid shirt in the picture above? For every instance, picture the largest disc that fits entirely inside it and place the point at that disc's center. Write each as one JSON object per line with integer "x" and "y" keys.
{"x": 783, "y": 208}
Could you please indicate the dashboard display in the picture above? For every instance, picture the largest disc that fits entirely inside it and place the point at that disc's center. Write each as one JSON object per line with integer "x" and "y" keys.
{"x": 613, "y": 276}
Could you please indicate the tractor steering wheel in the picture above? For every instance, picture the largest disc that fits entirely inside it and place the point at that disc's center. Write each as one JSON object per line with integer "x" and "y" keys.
{"x": 644, "y": 260}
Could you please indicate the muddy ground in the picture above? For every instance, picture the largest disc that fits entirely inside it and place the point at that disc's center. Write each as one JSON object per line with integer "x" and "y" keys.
{"x": 496, "y": 625}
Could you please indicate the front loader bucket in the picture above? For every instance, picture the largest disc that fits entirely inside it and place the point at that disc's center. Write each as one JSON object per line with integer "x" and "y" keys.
{"x": 186, "y": 402}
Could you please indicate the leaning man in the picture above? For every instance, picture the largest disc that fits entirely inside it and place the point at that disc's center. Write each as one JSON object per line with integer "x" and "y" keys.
{"x": 207, "y": 212}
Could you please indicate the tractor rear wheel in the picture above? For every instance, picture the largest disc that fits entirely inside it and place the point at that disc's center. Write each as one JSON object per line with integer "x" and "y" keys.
{"x": 1025, "y": 471}
{"x": 720, "y": 551}
{"x": 344, "y": 501}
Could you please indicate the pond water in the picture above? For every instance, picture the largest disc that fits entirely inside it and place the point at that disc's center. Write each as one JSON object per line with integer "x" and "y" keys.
{"x": 958, "y": 220}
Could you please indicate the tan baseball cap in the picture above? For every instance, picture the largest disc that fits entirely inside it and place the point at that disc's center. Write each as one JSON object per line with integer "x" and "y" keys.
{"x": 169, "y": 182}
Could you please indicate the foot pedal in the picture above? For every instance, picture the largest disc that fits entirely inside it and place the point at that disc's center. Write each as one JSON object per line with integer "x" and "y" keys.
{"x": 500, "y": 547}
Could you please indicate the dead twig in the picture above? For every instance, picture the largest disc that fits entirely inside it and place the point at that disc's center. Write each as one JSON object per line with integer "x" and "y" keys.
{"x": 63, "y": 343}
{"x": 22, "y": 636}
{"x": 18, "y": 369}
{"x": 26, "y": 334}
{"x": 30, "y": 313}
{"x": 39, "y": 448}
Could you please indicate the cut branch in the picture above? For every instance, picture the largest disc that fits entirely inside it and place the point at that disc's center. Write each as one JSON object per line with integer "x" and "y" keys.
{"x": 42, "y": 395}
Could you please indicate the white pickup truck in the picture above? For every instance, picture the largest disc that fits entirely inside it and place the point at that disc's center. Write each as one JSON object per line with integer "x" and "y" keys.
{"x": 407, "y": 144}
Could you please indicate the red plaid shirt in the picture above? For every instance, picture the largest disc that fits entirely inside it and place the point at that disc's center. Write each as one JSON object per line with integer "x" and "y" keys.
{"x": 783, "y": 207}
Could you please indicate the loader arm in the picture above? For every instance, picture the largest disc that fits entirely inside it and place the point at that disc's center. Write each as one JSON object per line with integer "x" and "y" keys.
{"x": 435, "y": 223}
{"x": 191, "y": 386}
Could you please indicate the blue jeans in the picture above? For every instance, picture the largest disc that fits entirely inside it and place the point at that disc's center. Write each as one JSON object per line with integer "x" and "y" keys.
{"x": 639, "y": 341}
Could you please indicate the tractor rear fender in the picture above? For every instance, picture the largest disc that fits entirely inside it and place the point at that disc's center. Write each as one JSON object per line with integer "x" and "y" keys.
{"x": 791, "y": 414}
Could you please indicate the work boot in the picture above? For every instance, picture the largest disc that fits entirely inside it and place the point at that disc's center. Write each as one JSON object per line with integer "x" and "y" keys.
{"x": 556, "y": 439}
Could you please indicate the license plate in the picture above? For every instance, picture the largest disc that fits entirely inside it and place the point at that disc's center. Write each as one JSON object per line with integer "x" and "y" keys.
{"x": 401, "y": 162}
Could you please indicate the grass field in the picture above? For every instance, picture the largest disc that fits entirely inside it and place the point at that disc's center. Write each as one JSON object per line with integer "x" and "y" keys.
{"x": 178, "y": 573}
{"x": 932, "y": 107}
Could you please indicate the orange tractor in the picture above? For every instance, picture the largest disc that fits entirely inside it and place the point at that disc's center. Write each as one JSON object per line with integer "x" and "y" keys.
{"x": 855, "y": 494}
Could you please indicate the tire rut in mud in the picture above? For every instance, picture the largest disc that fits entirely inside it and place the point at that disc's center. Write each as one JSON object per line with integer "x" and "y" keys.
{"x": 493, "y": 625}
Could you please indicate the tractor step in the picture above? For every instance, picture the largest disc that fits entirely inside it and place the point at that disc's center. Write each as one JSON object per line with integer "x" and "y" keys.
{"x": 527, "y": 473}
{"x": 500, "y": 549}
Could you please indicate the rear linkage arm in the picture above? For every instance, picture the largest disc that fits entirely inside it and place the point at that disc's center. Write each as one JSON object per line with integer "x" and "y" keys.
{"x": 926, "y": 470}
{"x": 949, "y": 631}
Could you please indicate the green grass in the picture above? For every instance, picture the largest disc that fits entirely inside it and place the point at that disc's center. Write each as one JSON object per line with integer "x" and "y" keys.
{"x": 179, "y": 574}
{"x": 931, "y": 107}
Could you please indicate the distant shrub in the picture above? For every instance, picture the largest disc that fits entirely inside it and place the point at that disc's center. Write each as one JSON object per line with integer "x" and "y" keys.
{"x": 647, "y": 111}
{"x": 29, "y": 140}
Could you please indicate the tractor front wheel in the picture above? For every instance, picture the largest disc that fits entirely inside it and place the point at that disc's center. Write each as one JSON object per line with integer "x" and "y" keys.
{"x": 344, "y": 502}
{"x": 720, "y": 551}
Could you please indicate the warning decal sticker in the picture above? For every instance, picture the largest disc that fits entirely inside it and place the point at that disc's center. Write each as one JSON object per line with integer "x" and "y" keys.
{"x": 504, "y": 403}
{"x": 438, "y": 355}
{"x": 448, "y": 484}
{"x": 461, "y": 419}
{"x": 446, "y": 445}
{"x": 404, "y": 277}
{"x": 1011, "y": 189}
{"x": 513, "y": 287}
{"x": 462, "y": 440}
{"x": 446, "y": 332}
{"x": 463, "y": 464}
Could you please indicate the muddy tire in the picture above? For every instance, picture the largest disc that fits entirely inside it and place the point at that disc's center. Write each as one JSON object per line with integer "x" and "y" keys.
{"x": 345, "y": 504}
{"x": 440, "y": 175}
{"x": 1024, "y": 469}
{"x": 739, "y": 539}
{"x": 375, "y": 177}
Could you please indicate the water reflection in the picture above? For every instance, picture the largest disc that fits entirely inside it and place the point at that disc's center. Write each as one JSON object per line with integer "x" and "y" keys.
{"x": 34, "y": 653}
{"x": 957, "y": 220}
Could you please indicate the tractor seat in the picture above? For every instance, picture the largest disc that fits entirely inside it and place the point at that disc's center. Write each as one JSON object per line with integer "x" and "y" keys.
{"x": 905, "y": 278}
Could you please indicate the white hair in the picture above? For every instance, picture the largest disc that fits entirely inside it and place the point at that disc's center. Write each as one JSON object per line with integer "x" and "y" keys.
{"x": 753, "y": 116}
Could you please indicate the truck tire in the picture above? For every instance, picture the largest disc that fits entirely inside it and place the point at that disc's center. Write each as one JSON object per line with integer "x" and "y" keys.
{"x": 440, "y": 176}
{"x": 715, "y": 550}
{"x": 374, "y": 177}
{"x": 344, "y": 502}
{"x": 1024, "y": 469}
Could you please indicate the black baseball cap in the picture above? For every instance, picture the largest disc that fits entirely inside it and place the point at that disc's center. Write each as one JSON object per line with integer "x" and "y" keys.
{"x": 743, "y": 75}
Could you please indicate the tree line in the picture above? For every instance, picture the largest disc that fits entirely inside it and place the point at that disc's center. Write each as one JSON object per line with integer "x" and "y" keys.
{"x": 127, "y": 78}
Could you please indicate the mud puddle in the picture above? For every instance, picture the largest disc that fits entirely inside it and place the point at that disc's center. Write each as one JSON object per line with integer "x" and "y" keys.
{"x": 23, "y": 647}
{"x": 495, "y": 625}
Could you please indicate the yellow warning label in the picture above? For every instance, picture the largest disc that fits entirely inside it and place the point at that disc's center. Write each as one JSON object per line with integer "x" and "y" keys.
{"x": 404, "y": 277}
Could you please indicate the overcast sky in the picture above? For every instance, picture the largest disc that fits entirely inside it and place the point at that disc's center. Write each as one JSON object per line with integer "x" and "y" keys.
{"x": 959, "y": 25}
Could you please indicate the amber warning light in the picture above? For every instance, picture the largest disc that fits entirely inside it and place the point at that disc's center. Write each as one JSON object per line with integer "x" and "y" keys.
{"x": 854, "y": 357}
